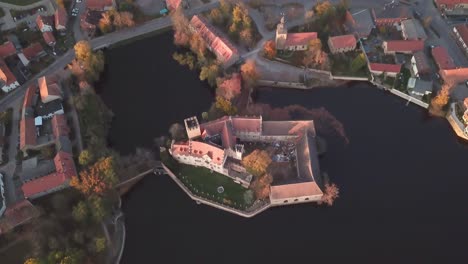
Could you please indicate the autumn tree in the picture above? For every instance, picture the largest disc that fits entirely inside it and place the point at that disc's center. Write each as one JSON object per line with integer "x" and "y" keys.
{"x": 314, "y": 54}
{"x": 209, "y": 73}
{"x": 229, "y": 87}
{"x": 198, "y": 46}
{"x": 225, "y": 8}
{"x": 91, "y": 62}
{"x": 323, "y": 8}
{"x": 80, "y": 211}
{"x": 257, "y": 162}
{"x": 441, "y": 99}
{"x": 249, "y": 71}
{"x": 358, "y": 62}
{"x": 181, "y": 27}
{"x": 85, "y": 158}
{"x": 60, "y": 3}
{"x": 105, "y": 23}
{"x": 99, "y": 244}
{"x": 70, "y": 256}
{"x": 185, "y": 59}
{"x": 330, "y": 194}
{"x": 82, "y": 50}
{"x": 261, "y": 186}
{"x": 225, "y": 106}
{"x": 97, "y": 207}
{"x": 98, "y": 178}
{"x": 246, "y": 37}
{"x": 427, "y": 21}
{"x": 34, "y": 261}
{"x": 269, "y": 49}
{"x": 216, "y": 17}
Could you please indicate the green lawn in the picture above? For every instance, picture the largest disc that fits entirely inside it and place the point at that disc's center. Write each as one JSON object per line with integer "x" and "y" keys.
{"x": 16, "y": 253}
{"x": 19, "y": 2}
{"x": 342, "y": 64}
{"x": 204, "y": 183}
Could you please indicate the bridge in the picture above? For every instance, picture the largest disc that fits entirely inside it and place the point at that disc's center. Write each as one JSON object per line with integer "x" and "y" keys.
{"x": 124, "y": 186}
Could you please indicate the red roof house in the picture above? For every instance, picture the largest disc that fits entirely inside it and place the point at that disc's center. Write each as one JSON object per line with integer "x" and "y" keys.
{"x": 65, "y": 170}
{"x": 8, "y": 81}
{"x": 384, "y": 68}
{"x": 44, "y": 24}
{"x": 455, "y": 76}
{"x": 27, "y": 133}
{"x": 300, "y": 39}
{"x": 49, "y": 38}
{"x": 402, "y": 46}
{"x": 341, "y": 43}
{"x": 29, "y": 96}
{"x": 49, "y": 89}
{"x": 33, "y": 51}
{"x": 442, "y": 58}
{"x": 60, "y": 19}
{"x": 59, "y": 126}
{"x": 100, "y": 5}
{"x": 7, "y": 49}
{"x": 221, "y": 46}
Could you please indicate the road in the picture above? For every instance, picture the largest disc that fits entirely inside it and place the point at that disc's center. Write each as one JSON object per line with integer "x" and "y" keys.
{"x": 9, "y": 23}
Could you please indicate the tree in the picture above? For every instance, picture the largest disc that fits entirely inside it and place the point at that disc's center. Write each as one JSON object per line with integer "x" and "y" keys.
{"x": 237, "y": 14}
{"x": 185, "y": 59}
{"x": 80, "y": 211}
{"x": 70, "y": 256}
{"x": 85, "y": 158}
{"x": 97, "y": 179}
{"x": 249, "y": 71}
{"x": 177, "y": 131}
{"x": 261, "y": 186}
{"x": 105, "y": 23}
{"x": 126, "y": 19}
{"x": 442, "y": 98}
{"x": 257, "y": 162}
{"x": 225, "y": 8}
{"x": 98, "y": 208}
{"x": 48, "y": 152}
{"x": 209, "y": 73}
{"x": 330, "y": 194}
{"x": 34, "y": 261}
{"x": 82, "y": 50}
{"x": 216, "y": 17}
{"x": 230, "y": 87}
{"x": 269, "y": 49}
{"x": 358, "y": 62}
{"x": 225, "y": 106}
{"x": 181, "y": 27}
{"x": 246, "y": 37}
{"x": 323, "y": 8}
{"x": 205, "y": 116}
{"x": 60, "y": 3}
{"x": 197, "y": 45}
{"x": 91, "y": 62}
{"x": 314, "y": 55}
{"x": 99, "y": 244}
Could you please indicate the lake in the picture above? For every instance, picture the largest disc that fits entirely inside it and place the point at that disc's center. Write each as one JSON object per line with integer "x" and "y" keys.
{"x": 402, "y": 176}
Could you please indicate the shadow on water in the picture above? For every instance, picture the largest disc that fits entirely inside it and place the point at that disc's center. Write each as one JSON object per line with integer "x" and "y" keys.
{"x": 402, "y": 177}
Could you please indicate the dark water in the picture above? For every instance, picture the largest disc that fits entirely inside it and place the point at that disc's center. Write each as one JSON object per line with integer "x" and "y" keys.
{"x": 402, "y": 176}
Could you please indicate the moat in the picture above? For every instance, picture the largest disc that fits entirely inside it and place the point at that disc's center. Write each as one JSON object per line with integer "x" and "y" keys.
{"x": 402, "y": 176}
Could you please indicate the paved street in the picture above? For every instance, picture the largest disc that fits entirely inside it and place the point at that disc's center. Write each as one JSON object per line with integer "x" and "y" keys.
{"x": 9, "y": 23}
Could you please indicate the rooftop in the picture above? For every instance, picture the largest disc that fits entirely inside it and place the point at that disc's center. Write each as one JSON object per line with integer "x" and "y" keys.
{"x": 295, "y": 190}
{"x": 60, "y": 17}
{"x": 30, "y": 96}
{"x": 419, "y": 86}
{"x": 43, "y": 21}
{"x": 5, "y": 74}
{"x": 48, "y": 108}
{"x": 344, "y": 41}
{"x": 48, "y": 87}
{"x": 59, "y": 126}
{"x": 33, "y": 50}
{"x": 442, "y": 58}
{"x": 404, "y": 45}
{"x": 413, "y": 29}
{"x": 48, "y": 37}
{"x": 421, "y": 60}
{"x": 300, "y": 39}
{"x": 384, "y": 67}
{"x": 360, "y": 22}
{"x": 7, "y": 49}
{"x": 27, "y": 132}
{"x": 463, "y": 31}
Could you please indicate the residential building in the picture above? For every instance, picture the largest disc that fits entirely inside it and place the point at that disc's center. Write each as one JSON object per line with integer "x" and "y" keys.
{"x": 49, "y": 89}
{"x": 412, "y": 29}
{"x": 442, "y": 58}
{"x": 31, "y": 53}
{"x": 59, "y": 126}
{"x": 419, "y": 87}
{"x": 8, "y": 81}
{"x": 49, "y": 38}
{"x": 29, "y": 101}
{"x": 90, "y": 20}
{"x": 340, "y": 44}
{"x": 28, "y": 137}
{"x": 359, "y": 22}
{"x": 383, "y": 68}
{"x": 402, "y": 46}
{"x": 7, "y": 49}
{"x": 452, "y": 7}
{"x": 48, "y": 110}
{"x": 456, "y": 76}
{"x": 219, "y": 146}
{"x": 461, "y": 33}
{"x": 420, "y": 64}
{"x": 391, "y": 16}
{"x": 217, "y": 43}
{"x": 100, "y": 5}
{"x": 61, "y": 19}
{"x": 17, "y": 214}
{"x": 292, "y": 41}
{"x": 174, "y": 4}
{"x": 44, "y": 24}
{"x": 58, "y": 180}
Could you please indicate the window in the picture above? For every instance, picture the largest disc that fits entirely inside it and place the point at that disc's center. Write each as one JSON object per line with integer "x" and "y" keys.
{"x": 296, "y": 200}
{"x": 307, "y": 199}
{"x": 285, "y": 201}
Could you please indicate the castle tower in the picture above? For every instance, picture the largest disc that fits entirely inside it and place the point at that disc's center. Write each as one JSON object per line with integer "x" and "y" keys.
{"x": 281, "y": 34}
{"x": 192, "y": 127}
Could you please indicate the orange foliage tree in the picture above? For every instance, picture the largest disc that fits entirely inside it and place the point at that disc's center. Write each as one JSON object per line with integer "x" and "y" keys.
{"x": 257, "y": 162}
{"x": 269, "y": 49}
{"x": 261, "y": 186}
{"x": 249, "y": 71}
{"x": 98, "y": 178}
{"x": 229, "y": 87}
{"x": 331, "y": 193}
{"x": 442, "y": 98}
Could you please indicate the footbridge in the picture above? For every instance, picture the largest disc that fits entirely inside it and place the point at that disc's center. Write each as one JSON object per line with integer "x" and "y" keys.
{"x": 125, "y": 185}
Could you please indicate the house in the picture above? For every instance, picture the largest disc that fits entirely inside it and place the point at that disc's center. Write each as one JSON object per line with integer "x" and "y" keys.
{"x": 402, "y": 46}
{"x": 8, "y": 81}
{"x": 452, "y": 7}
{"x": 48, "y": 110}
{"x": 455, "y": 76}
{"x": 59, "y": 126}
{"x": 412, "y": 29}
{"x": 217, "y": 43}
{"x": 44, "y": 24}
{"x": 391, "y": 16}
{"x": 49, "y": 89}
{"x": 17, "y": 214}
{"x": 31, "y": 53}
{"x": 419, "y": 87}
{"x": 359, "y": 22}
{"x": 387, "y": 69}
{"x": 27, "y": 133}
{"x": 292, "y": 41}
{"x": 174, "y": 4}
{"x": 341, "y": 44}
{"x": 61, "y": 19}
{"x": 58, "y": 180}
{"x": 420, "y": 64}
{"x": 219, "y": 145}
{"x": 461, "y": 34}
{"x": 49, "y": 38}
{"x": 7, "y": 49}
{"x": 90, "y": 20}
{"x": 100, "y": 5}
{"x": 442, "y": 58}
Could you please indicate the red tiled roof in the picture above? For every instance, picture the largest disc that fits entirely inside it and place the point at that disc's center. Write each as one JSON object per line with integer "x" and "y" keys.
{"x": 247, "y": 124}
{"x": 405, "y": 45}
{"x": 60, "y": 17}
{"x": 294, "y": 190}
{"x": 48, "y": 87}
{"x": 49, "y": 38}
{"x": 17, "y": 214}
{"x": 7, "y": 49}
{"x": 220, "y": 45}
{"x": 199, "y": 149}
{"x": 99, "y": 4}
{"x": 450, "y": 3}
{"x": 421, "y": 62}
{"x": 33, "y": 50}
{"x": 454, "y": 75}
{"x": 5, "y": 74}
{"x": 442, "y": 58}
{"x": 65, "y": 169}
{"x": 300, "y": 39}
{"x": 463, "y": 31}
{"x": 29, "y": 96}
{"x": 41, "y": 21}
{"x": 59, "y": 126}
{"x": 173, "y": 4}
{"x": 383, "y": 67}
{"x": 465, "y": 102}
{"x": 344, "y": 41}
{"x": 27, "y": 132}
